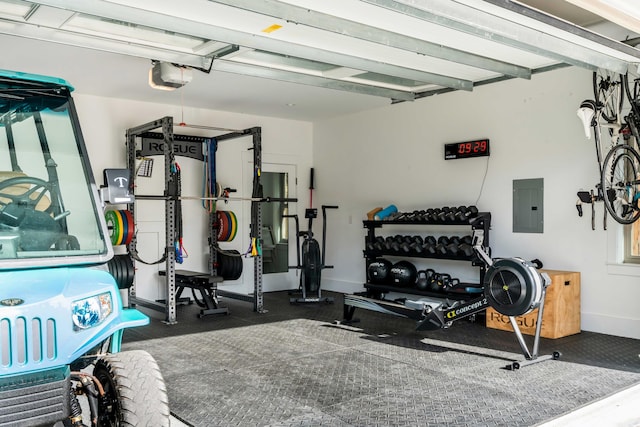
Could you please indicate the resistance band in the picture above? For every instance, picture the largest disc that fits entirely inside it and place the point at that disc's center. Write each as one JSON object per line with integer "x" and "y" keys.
{"x": 209, "y": 176}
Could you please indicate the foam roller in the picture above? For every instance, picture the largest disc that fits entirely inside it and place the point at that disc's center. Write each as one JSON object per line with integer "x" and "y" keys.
{"x": 385, "y": 212}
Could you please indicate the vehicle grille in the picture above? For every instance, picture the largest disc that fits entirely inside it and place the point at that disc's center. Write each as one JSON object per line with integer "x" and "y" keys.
{"x": 25, "y": 341}
{"x": 35, "y": 399}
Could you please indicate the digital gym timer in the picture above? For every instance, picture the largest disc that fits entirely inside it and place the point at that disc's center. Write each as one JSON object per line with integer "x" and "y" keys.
{"x": 463, "y": 150}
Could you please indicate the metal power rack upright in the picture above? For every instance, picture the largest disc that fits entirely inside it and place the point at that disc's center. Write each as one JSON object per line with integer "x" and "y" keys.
{"x": 171, "y": 197}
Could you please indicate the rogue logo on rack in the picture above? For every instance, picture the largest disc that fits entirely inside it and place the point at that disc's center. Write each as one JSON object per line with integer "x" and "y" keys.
{"x": 183, "y": 145}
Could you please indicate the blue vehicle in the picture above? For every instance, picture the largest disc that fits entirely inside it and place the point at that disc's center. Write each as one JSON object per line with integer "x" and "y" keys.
{"x": 61, "y": 313}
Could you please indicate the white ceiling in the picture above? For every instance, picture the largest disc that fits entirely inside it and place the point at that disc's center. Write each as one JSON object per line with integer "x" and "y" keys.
{"x": 26, "y": 48}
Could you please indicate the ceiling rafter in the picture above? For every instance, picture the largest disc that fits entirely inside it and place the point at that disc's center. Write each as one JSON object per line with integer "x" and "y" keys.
{"x": 471, "y": 20}
{"x": 289, "y": 76}
{"x": 201, "y": 29}
{"x": 397, "y": 49}
{"x": 338, "y": 25}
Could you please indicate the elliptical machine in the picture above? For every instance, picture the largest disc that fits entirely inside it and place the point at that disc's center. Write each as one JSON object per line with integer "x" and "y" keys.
{"x": 310, "y": 259}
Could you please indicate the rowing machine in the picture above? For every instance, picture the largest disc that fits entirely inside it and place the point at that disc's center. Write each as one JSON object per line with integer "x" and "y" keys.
{"x": 512, "y": 286}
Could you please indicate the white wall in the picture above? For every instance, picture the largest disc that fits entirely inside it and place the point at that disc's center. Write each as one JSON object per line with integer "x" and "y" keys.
{"x": 395, "y": 155}
{"x": 104, "y": 123}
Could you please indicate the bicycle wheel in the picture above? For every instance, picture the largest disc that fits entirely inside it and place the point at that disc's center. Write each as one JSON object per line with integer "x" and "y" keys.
{"x": 631, "y": 84}
{"x": 607, "y": 90}
{"x": 620, "y": 183}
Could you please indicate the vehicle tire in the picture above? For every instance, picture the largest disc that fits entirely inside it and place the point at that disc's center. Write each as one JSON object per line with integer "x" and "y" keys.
{"x": 135, "y": 392}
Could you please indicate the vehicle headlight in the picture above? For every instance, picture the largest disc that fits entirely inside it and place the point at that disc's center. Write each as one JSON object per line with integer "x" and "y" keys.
{"x": 89, "y": 312}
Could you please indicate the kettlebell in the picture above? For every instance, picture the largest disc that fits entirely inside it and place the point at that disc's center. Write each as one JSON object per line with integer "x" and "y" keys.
{"x": 444, "y": 281}
{"x": 423, "y": 282}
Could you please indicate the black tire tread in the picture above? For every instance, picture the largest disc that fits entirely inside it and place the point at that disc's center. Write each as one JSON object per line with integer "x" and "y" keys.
{"x": 140, "y": 386}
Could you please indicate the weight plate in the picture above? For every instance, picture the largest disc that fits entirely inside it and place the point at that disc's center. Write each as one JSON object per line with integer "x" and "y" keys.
{"x": 225, "y": 231}
{"x": 130, "y": 227}
{"x": 234, "y": 226}
{"x": 114, "y": 226}
{"x": 121, "y": 224}
{"x": 223, "y": 225}
{"x": 227, "y": 237}
{"x": 128, "y": 271}
{"x": 114, "y": 269}
{"x": 124, "y": 226}
{"x": 237, "y": 265}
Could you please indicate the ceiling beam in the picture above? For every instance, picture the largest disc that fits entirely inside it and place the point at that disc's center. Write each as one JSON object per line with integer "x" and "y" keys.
{"x": 568, "y": 27}
{"x": 168, "y": 22}
{"x": 623, "y": 13}
{"x": 71, "y": 38}
{"x": 309, "y": 80}
{"x": 474, "y": 21}
{"x": 346, "y": 27}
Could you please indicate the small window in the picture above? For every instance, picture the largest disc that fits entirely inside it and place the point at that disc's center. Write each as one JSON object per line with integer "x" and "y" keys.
{"x": 632, "y": 243}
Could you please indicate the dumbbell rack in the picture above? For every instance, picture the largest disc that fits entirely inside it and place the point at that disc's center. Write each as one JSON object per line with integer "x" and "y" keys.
{"x": 482, "y": 221}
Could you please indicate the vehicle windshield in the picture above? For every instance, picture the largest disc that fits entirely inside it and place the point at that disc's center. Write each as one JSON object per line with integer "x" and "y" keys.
{"x": 48, "y": 209}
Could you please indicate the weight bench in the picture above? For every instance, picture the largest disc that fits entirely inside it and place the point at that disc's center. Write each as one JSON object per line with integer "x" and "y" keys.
{"x": 205, "y": 284}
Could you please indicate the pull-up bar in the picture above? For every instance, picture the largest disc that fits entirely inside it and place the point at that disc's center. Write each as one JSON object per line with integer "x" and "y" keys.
{"x": 249, "y": 199}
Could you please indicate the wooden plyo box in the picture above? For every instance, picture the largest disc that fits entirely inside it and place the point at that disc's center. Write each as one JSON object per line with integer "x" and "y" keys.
{"x": 561, "y": 315}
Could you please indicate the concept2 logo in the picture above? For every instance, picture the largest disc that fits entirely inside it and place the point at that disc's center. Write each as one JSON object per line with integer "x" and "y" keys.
{"x": 467, "y": 309}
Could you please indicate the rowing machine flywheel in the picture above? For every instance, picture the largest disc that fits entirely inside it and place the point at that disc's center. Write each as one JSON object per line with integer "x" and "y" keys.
{"x": 513, "y": 287}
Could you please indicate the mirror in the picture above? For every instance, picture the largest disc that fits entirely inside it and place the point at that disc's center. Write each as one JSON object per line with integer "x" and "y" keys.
{"x": 275, "y": 228}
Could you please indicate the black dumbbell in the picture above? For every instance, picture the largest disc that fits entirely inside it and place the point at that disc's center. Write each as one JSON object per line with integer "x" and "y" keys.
{"x": 441, "y": 249}
{"x": 460, "y": 213}
{"x": 441, "y": 246}
{"x": 466, "y": 249}
{"x": 450, "y": 215}
{"x": 444, "y": 240}
{"x": 469, "y": 212}
{"x": 387, "y": 242}
{"x": 396, "y": 243}
{"x": 430, "y": 215}
{"x": 416, "y": 247}
{"x": 378, "y": 245}
{"x": 405, "y": 245}
{"x": 429, "y": 248}
{"x": 442, "y": 214}
{"x": 452, "y": 249}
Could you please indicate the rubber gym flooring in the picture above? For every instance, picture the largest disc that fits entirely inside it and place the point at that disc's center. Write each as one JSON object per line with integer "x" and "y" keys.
{"x": 292, "y": 366}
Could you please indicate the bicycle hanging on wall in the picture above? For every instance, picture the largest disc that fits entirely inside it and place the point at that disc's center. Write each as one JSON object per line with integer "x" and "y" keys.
{"x": 619, "y": 168}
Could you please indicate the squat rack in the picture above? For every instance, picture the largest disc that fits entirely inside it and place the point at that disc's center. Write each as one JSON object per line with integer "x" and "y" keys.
{"x": 171, "y": 197}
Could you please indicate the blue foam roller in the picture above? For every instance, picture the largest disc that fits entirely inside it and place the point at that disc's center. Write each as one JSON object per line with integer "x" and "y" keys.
{"x": 385, "y": 212}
